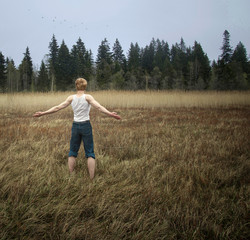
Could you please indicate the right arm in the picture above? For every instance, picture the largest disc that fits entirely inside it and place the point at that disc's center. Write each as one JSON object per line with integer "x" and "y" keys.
{"x": 57, "y": 108}
{"x": 99, "y": 107}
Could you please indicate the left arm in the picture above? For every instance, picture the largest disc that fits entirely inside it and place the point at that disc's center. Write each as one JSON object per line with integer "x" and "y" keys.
{"x": 57, "y": 108}
{"x": 102, "y": 109}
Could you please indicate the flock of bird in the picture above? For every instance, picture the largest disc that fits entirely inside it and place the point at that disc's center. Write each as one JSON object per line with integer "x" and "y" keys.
{"x": 61, "y": 21}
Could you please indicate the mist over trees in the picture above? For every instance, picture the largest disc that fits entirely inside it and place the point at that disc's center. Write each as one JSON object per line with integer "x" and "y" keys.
{"x": 157, "y": 66}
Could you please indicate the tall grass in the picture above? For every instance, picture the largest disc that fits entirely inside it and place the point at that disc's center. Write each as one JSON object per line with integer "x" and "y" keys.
{"x": 162, "y": 172}
{"x": 128, "y": 99}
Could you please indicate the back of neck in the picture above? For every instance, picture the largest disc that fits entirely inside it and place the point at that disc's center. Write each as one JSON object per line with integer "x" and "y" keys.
{"x": 79, "y": 93}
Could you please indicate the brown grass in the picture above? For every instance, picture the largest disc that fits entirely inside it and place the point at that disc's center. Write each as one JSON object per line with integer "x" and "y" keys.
{"x": 162, "y": 173}
{"x": 126, "y": 99}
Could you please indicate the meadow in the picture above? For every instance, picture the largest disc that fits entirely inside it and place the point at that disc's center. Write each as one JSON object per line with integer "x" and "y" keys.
{"x": 175, "y": 167}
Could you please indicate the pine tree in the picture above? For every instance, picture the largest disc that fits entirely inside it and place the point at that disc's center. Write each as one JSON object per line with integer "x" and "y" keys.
{"x": 199, "y": 67}
{"x": 64, "y": 78}
{"x": 12, "y": 76}
{"x": 26, "y": 71}
{"x": 118, "y": 57}
{"x": 176, "y": 61}
{"x": 2, "y": 73}
{"x": 214, "y": 83}
{"x": 43, "y": 79}
{"x": 169, "y": 74}
{"x": 104, "y": 65}
{"x": 239, "y": 66}
{"x": 239, "y": 80}
{"x": 81, "y": 49}
{"x": 224, "y": 70}
{"x": 161, "y": 54}
{"x": 78, "y": 54}
{"x": 75, "y": 62}
{"x": 240, "y": 56}
{"x": 104, "y": 53}
{"x": 134, "y": 57}
{"x": 226, "y": 48}
{"x": 148, "y": 56}
{"x": 166, "y": 51}
{"x": 134, "y": 78}
{"x": 53, "y": 57}
{"x": 184, "y": 54}
{"x": 88, "y": 65}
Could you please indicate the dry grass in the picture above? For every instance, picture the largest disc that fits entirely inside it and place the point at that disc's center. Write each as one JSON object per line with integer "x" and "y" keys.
{"x": 126, "y": 99}
{"x": 162, "y": 173}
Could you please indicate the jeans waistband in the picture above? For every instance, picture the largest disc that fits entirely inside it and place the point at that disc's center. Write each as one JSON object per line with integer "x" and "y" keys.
{"x": 79, "y": 123}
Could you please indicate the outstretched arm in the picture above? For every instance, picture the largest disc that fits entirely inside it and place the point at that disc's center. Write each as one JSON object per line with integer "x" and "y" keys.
{"x": 102, "y": 109}
{"x": 57, "y": 108}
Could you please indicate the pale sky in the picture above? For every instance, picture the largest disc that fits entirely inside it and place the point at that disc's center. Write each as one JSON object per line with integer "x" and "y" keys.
{"x": 33, "y": 22}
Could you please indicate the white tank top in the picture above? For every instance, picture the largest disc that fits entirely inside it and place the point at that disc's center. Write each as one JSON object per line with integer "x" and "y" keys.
{"x": 80, "y": 108}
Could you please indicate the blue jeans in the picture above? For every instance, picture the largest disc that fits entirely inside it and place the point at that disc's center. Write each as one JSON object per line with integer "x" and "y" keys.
{"x": 81, "y": 131}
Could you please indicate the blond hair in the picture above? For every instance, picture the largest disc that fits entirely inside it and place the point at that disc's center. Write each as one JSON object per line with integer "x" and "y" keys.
{"x": 81, "y": 84}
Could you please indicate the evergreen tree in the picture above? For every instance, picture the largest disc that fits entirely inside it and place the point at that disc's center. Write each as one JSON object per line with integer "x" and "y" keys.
{"x": 148, "y": 55}
{"x": 224, "y": 70}
{"x": 225, "y": 76}
{"x": 184, "y": 55}
{"x": 78, "y": 54}
{"x": 161, "y": 54}
{"x": 104, "y": 53}
{"x": 182, "y": 46}
{"x": 12, "y": 76}
{"x": 88, "y": 65}
{"x": 26, "y": 71}
{"x": 134, "y": 57}
{"x": 53, "y": 57}
{"x": 64, "y": 78}
{"x": 104, "y": 73}
{"x": 240, "y": 56}
{"x": 169, "y": 74}
{"x": 226, "y": 48}
{"x": 166, "y": 51}
{"x": 43, "y": 79}
{"x": 136, "y": 73}
{"x": 159, "y": 57}
{"x": 118, "y": 57}
{"x": 167, "y": 68}
{"x": 239, "y": 66}
{"x": 176, "y": 61}
{"x": 239, "y": 80}
{"x": 199, "y": 67}
{"x": 214, "y": 83}
{"x": 104, "y": 65}
{"x": 2, "y": 72}
{"x": 75, "y": 62}
{"x": 81, "y": 49}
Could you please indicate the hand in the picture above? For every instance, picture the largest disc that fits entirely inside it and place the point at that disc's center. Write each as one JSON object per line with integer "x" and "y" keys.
{"x": 38, "y": 114}
{"x": 116, "y": 116}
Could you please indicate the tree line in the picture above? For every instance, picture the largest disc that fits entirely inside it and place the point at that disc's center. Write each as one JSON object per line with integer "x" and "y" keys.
{"x": 154, "y": 67}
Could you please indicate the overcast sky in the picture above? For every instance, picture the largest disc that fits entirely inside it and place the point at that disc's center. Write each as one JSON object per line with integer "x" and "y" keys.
{"x": 33, "y": 22}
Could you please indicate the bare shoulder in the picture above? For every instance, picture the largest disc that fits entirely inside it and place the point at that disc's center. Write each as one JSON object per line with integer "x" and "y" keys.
{"x": 89, "y": 97}
{"x": 70, "y": 98}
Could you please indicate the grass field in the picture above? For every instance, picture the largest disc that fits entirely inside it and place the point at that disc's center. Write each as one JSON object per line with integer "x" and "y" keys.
{"x": 175, "y": 167}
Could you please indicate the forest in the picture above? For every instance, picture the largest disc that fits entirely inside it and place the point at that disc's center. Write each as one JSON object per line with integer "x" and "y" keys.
{"x": 157, "y": 66}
